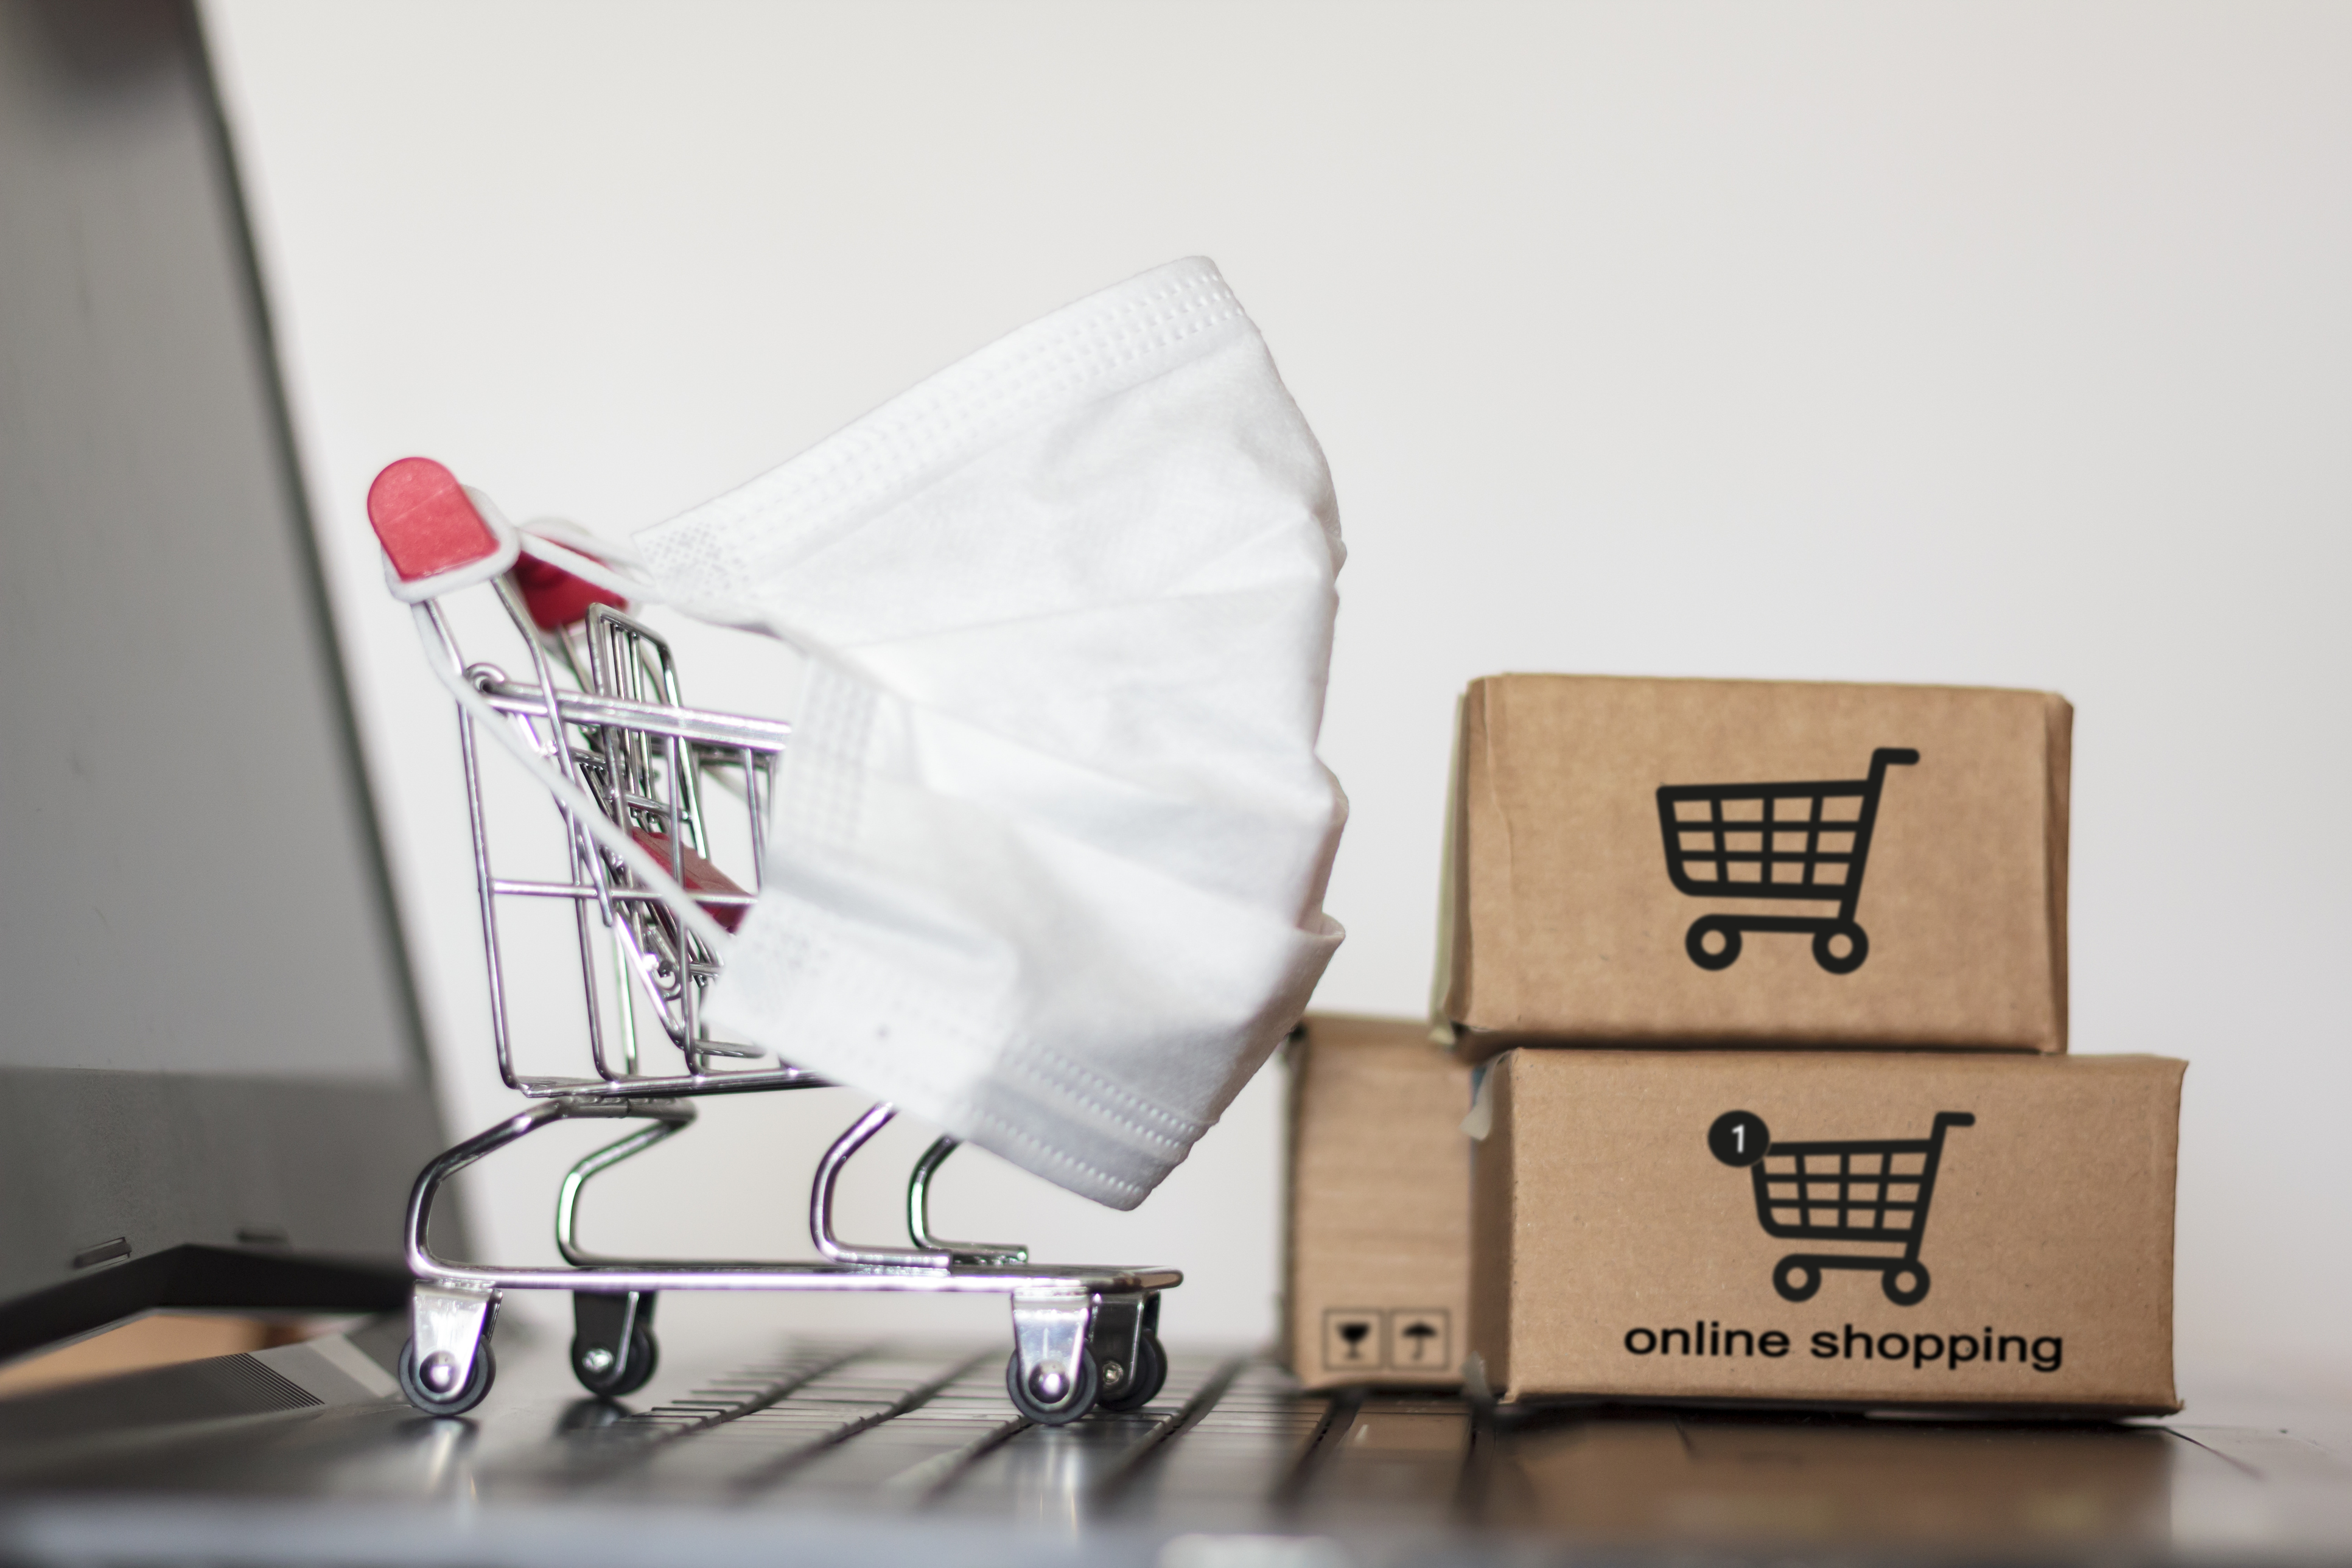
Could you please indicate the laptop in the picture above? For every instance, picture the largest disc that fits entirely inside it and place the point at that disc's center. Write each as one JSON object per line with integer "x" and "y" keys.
{"x": 214, "y": 1095}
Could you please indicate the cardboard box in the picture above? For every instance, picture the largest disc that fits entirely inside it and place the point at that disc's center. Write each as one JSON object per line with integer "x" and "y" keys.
{"x": 1376, "y": 1269}
{"x": 1611, "y": 850}
{"x": 1664, "y": 1224}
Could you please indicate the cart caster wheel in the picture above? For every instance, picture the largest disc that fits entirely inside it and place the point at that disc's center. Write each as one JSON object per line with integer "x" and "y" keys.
{"x": 1075, "y": 1400}
{"x": 437, "y": 1403}
{"x": 1142, "y": 1384}
{"x": 1909, "y": 1295}
{"x": 1828, "y": 958}
{"x": 1694, "y": 943}
{"x": 1797, "y": 1279}
{"x": 598, "y": 1374}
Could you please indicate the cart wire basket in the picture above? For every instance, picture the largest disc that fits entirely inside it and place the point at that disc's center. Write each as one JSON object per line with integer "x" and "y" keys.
{"x": 640, "y": 785}
{"x": 1799, "y": 840}
{"x": 1873, "y": 1192}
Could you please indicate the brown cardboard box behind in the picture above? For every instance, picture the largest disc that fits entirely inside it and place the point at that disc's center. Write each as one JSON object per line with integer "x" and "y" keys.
{"x": 1619, "y": 1250}
{"x": 1565, "y": 923}
{"x": 1376, "y": 1271}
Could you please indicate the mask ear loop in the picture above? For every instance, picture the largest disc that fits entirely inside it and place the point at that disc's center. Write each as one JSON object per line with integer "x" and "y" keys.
{"x": 618, "y": 570}
{"x": 439, "y": 536}
{"x": 448, "y": 666}
{"x": 621, "y": 571}
{"x": 612, "y": 568}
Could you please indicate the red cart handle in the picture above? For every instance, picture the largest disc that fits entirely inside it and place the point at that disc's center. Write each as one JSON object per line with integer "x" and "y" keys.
{"x": 553, "y": 597}
{"x": 437, "y": 535}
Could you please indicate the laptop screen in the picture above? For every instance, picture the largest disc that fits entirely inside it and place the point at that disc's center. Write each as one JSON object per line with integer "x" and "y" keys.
{"x": 207, "y": 1036}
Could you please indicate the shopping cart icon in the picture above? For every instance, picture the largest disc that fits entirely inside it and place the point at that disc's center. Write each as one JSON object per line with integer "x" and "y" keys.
{"x": 1807, "y": 841}
{"x": 1870, "y": 1191}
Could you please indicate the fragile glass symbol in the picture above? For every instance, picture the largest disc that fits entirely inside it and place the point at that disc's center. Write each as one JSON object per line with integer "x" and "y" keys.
{"x": 1397, "y": 1339}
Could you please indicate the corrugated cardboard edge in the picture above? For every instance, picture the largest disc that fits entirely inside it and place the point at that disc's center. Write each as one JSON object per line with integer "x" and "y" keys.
{"x": 1959, "y": 1409}
{"x": 1453, "y": 938}
{"x": 1294, "y": 1060}
{"x": 1474, "y": 817}
{"x": 2167, "y": 1155}
{"x": 2057, "y": 828}
{"x": 1494, "y": 1212}
{"x": 1481, "y": 888}
{"x": 1475, "y": 1045}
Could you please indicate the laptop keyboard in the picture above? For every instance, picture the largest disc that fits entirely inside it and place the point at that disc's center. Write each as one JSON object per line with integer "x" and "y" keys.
{"x": 927, "y": 1430}
{"x": 913, "y": 1453}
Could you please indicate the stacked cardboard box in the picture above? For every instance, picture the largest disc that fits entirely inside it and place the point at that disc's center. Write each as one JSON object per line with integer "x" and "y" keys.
{"x": 1765, "y": 986}
{"x": 1376, "y": 1281}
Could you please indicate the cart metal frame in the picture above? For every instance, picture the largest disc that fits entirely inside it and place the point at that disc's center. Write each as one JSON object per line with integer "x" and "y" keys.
{"x": 632, "y": 770}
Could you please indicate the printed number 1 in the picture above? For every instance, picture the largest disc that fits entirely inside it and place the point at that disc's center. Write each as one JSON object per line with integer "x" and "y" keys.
{"x": 1730, "y": 1135}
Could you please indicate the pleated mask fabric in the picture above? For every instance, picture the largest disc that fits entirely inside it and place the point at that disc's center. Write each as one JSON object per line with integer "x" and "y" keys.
{"x": 1049, "y": 847}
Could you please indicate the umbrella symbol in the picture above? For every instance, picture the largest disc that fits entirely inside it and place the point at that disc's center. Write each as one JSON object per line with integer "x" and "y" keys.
{"x": 1419, "y": 1334}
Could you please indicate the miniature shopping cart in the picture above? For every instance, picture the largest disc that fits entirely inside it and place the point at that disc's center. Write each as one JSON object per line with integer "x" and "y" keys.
{"x": 1805, "y": 841}
{"x": 637, "y": 780}
{"x": 1872, "y": 1191}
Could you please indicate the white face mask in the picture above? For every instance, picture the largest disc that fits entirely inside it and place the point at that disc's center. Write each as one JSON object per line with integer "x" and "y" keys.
{"x": 1049, "y": 843}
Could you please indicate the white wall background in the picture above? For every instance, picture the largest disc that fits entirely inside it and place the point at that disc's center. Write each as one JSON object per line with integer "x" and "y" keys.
{"x": 1986, "y": 343}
